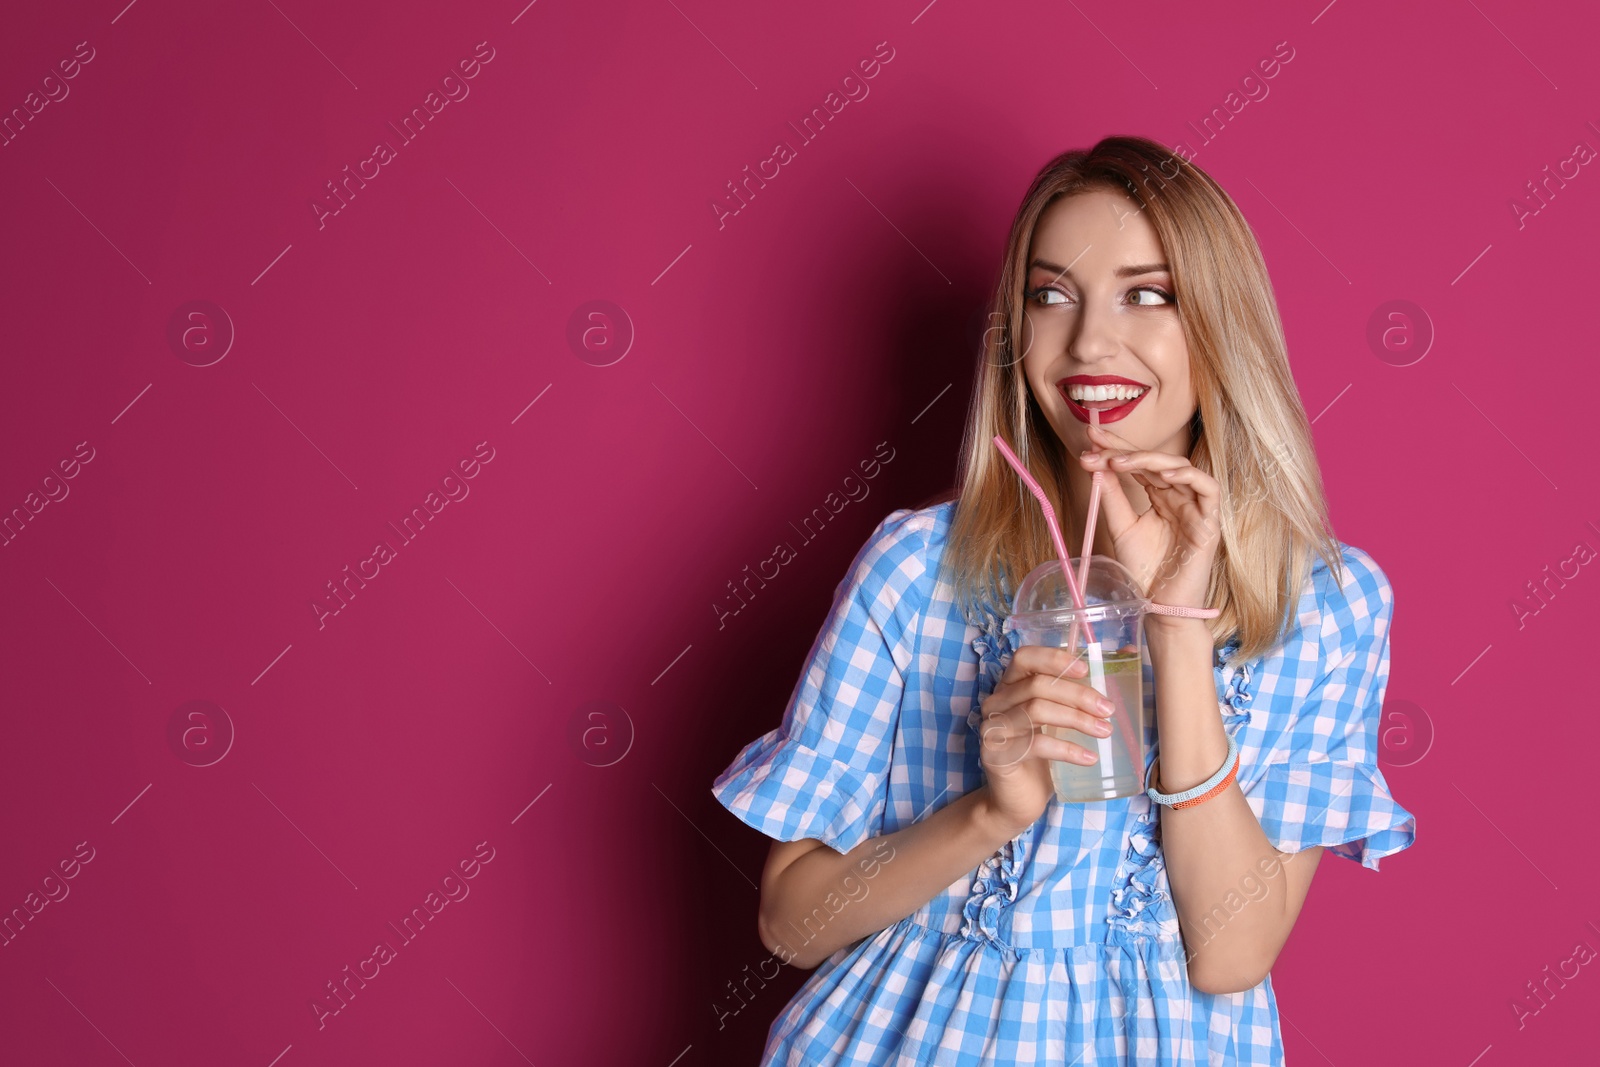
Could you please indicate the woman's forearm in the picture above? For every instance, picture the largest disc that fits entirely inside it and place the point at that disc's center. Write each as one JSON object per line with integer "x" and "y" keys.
{"x": 1214, "y": 848}
{"x": 825, "y": 900}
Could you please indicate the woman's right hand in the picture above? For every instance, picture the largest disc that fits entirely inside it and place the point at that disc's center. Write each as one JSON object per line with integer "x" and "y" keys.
{"x": 1041, "y": 686}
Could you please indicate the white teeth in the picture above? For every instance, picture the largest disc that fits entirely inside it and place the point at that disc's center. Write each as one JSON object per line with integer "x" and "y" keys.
{"x": 1104, "y": 392}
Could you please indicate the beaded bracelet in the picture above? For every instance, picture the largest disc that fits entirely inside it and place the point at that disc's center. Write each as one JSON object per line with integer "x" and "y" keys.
{"x": 1202, "y": 792}
{"x": 1182, "y": 612}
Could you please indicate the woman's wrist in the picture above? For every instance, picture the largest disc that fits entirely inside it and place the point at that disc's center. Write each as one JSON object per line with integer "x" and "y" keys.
{"x": 1165, "y": 633}
{"x": 988, "y": 819}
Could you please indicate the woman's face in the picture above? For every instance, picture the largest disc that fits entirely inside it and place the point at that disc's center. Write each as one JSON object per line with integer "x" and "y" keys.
{"x": 1099, "y": 312}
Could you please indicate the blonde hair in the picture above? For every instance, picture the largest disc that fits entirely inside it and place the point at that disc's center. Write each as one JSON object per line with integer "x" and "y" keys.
{"x": 1250, "y": 429}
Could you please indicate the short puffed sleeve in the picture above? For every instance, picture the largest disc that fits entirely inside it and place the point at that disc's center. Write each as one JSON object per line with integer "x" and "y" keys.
{"x": 1321, "y": 784}
{"x": 824, "y": 772}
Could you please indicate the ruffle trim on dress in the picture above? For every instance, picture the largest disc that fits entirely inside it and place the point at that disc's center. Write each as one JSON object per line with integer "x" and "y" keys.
{"x": 995, "y": 648}
{"x": 1139, "y": 878}
{"x": 999, "y": 876}
{"x": 1136, "y": 879}
{"x": 1140, "y": 904}
{"x": 1237, "y": 686}
{"x": 994, "y": 890}
{"x": 838, "y": 805}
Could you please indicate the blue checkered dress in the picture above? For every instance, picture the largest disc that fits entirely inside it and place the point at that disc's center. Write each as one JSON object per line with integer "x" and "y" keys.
{"x": 1063, "y": 947}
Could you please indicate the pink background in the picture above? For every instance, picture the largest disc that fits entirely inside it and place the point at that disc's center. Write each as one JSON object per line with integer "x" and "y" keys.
{"x": 370, "y": 754}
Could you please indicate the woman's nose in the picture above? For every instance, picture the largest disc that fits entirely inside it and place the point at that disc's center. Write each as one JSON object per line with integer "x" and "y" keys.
{"x": 1094, "y": 337}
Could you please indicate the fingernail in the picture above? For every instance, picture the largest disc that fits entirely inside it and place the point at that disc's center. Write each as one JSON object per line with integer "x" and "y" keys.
{"x": 1105, "y": 706}
{"x": 1100, "y": 729}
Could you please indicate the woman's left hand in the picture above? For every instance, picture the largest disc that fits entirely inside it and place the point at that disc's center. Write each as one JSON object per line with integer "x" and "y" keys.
{"x": 1171, "y": 547}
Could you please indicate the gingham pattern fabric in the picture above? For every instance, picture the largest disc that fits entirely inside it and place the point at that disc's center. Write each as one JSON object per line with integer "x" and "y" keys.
{"x": 1063, "y": 947}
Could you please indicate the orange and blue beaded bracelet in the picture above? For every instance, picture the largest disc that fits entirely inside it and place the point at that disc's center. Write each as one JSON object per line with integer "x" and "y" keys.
{"x": 1202, "y": 792}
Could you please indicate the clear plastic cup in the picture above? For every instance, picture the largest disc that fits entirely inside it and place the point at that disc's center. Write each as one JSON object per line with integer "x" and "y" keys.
{"x": 1043, "y": 614}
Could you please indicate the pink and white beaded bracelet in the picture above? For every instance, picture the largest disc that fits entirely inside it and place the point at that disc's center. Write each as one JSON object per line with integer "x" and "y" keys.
{"x": 1187, "y": 613}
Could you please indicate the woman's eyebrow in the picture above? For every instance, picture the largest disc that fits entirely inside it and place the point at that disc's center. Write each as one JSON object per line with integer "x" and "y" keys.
{"x": 1128, "y": 271}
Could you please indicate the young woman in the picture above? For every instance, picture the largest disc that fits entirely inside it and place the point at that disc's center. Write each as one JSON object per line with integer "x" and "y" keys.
{"x": 961, "y": 914}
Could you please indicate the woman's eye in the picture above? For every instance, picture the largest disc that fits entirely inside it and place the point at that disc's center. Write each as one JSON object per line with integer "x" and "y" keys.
{"x": 1042, "y": 292}
{"x": 1161, "y": 295}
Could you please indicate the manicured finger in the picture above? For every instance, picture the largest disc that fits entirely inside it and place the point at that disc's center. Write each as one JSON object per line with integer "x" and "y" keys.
{"x": 1006, "y": 747}
{"x": 1065, "y": 698}
{"x": 1171, "y": 491}
{"x": 1147, "y": 461}
{"x": 1117, "y": 510}
{"x": 1039, "y": 698}
{"x": 1043, "y": 659}
{"x": 1160, "y": 478}
{"x": 1204, "y": 485}
{"x": 1057, "y": 748}
{"x": 1106, "y": 438}
{"x": 1075, "y": 695}
{"x": 1045, "y": 712}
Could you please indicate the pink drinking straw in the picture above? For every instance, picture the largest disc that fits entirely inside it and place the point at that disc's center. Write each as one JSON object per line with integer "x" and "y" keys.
{"x": 1087, "y": 543}
{"x": 1074, "y": 583}
{"x": 1083, "y": 575}
{"x": 1094, "y": 510}
{"x": 1055, "y": 528}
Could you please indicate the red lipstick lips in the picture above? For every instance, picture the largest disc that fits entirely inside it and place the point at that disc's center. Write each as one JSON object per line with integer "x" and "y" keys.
{"x": 1110, "y": 410}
